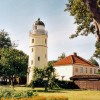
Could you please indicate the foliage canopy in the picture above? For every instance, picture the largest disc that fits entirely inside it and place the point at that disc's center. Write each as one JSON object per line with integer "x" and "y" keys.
{"x": 87, "y": 18}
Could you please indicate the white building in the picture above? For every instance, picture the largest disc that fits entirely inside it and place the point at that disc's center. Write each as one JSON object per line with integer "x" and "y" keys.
{"x": 38, "y": 49}
{"x": 73, "y": 65}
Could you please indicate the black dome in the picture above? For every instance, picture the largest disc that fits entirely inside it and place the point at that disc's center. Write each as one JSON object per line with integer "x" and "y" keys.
{"x": 38, "y": 22}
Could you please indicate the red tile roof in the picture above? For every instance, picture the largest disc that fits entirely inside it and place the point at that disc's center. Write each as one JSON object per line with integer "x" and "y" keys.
{"x": 73, "y": 59}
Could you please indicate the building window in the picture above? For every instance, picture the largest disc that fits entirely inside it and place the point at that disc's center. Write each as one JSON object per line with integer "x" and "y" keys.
{"x": 32, "y": 49}
{"x": 76, "y": 70}
{"x": 90, "y": 70}
{"x": 32, "y": 40}
{"x": 45, "y": 41}
{"x": 81, "y": 69}
{"x": 31, "y": 62}
{"x": 86, "y": 70}
{"x": 38, "y": 58}
{"x": 94, "y": 71}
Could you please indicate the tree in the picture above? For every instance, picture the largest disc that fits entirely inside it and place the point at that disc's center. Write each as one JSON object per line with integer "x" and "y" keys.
{"x": 93, "y": 61}
{"x": 50, "y": 63}
{"x": 14, "y": 63}
{"x": 62, "y": 56}
{"x": 44, "y": 77}
{"x": 87, "y": 17}
{"x": 5, "y": 40}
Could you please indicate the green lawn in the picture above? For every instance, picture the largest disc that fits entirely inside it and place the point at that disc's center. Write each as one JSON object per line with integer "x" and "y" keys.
{"x": 71, "y": 94}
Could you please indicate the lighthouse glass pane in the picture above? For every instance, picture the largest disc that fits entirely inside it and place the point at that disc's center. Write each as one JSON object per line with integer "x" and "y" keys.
{"x": 35, "y": 27}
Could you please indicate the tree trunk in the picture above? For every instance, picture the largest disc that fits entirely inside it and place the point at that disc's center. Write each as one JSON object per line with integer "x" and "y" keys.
{"x": 95, "y": 11}
{"x": 12, "y": 82}
{"x": 97, "y": 27}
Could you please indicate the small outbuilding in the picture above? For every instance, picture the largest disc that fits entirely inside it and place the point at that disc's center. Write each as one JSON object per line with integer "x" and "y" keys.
{"x": 87, "y": 81}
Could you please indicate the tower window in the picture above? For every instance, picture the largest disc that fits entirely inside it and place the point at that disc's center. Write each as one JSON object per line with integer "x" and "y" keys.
{"x": 45, "y": 41}
{"x": 32, "y": 49}
{"x": 32, "y": 40}
{"x": 31, "y": 62}
{"x": 38, "y": 58}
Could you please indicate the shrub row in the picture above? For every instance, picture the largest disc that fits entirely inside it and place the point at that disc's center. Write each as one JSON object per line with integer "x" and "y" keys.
{"x": 66, "y": 84}
{"x": 56, "y": 84}
{"x": 10, "y": 93}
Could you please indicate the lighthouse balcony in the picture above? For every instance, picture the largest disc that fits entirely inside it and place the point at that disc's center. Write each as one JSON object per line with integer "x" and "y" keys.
{"x": 38, "y": 32}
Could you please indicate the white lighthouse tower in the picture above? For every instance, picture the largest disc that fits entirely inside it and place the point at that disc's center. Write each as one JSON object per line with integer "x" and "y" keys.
{"x": 38, "y": 48}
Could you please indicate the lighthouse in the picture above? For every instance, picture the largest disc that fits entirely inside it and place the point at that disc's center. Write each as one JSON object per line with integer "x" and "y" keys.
{"x": 38, "y": 56}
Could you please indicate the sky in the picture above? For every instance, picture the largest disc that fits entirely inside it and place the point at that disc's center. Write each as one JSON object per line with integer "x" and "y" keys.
{"x": 18, "y": 16}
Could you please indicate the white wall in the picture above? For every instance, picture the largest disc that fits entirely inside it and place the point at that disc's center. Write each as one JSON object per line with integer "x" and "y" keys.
{"x": 69, "y": 70}
{"x": 66, "y": 71}
{"x": 39, "y": 50}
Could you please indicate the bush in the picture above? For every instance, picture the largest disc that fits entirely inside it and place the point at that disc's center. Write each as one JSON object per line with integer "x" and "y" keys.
{"x": 17, "y": 94}
{"x": 66, "y": 84}
{"x": 37, "y": 83}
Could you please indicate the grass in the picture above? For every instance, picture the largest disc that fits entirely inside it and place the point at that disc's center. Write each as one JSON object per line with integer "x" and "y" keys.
{"x": 70, "y": 94}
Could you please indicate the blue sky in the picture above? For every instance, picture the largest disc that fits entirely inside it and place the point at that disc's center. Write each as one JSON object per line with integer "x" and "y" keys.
{"x": 18, "y": 16}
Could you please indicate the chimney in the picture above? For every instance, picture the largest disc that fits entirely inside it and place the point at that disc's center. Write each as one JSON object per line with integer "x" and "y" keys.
{"x": 75, "y": 54}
